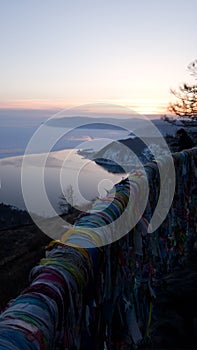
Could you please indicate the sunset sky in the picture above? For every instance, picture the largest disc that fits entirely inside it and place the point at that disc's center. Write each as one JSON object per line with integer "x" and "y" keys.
{"x": 60, "y": 53}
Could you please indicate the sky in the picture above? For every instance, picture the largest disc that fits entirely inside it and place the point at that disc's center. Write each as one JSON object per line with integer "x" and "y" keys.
{"x": 62, "y": 53}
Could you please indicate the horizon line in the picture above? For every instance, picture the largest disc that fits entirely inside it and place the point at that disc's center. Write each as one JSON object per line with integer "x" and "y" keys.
{"x": 143, "y": 106}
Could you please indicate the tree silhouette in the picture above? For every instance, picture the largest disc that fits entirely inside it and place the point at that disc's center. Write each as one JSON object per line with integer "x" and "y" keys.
{"x": 186, "y": 97}
{"x": 67, "y": 200}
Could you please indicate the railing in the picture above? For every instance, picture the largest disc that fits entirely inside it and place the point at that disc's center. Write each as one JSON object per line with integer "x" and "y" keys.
{"x": 94, "y": 290}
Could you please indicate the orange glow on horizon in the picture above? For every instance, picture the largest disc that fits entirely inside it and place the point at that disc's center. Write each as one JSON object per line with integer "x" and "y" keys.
{"x": 145, "y": 105}
{"x": 34, "y": 104}
{"x": 138, "y": 105}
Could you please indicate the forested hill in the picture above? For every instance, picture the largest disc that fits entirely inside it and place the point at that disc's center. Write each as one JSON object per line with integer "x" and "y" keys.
{"x": 11, "y": 216}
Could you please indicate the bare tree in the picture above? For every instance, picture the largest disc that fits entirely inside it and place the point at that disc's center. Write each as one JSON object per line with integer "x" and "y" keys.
{"x": 192, "y": 67}
{"x": 67, "y": 200}
{"x": 186, "y": 97}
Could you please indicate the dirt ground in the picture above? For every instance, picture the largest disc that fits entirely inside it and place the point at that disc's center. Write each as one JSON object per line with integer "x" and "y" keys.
{"x": 21, "y": 248}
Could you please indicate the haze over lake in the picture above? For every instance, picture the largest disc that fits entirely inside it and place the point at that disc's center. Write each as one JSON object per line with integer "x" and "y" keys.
{"x": 65, "y": 166}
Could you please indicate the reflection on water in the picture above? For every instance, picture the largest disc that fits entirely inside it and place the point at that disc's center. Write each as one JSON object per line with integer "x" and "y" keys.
{"x": 63, "y": 168}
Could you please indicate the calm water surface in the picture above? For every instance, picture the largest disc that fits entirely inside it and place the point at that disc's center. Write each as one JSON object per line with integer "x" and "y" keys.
{"x": 63, "y": 170}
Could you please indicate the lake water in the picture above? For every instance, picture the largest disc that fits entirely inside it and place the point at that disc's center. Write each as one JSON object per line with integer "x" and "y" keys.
{"x": 65, "y": 171}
